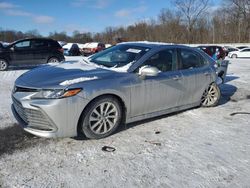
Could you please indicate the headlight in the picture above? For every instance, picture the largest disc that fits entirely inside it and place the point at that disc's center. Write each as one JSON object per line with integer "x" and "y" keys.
{"x": 56, "y": 93}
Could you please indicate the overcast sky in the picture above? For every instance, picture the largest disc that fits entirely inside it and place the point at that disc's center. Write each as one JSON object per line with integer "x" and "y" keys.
{"x": 83, "y": 15}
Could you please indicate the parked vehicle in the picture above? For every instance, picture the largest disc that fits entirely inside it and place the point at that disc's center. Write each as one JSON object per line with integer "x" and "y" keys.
{"x": 242, "y": 47}
{"x": 66, "y": 48}
{"x": 74, "y": 50}
{"x": 216, "y": 52}
{"x": 243, "y": 53}
{"x": 125, "y": 83}
{"x": 91, "y": 48}
{"x": 31, "y": 51}
{"x": 71, "y": 49}
{"x": 221, "y": 67}
{"x": 230, "y": 49}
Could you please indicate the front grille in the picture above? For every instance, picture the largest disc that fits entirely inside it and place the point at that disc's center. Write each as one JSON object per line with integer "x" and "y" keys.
{"x": 23, "y": 89}
{"x": 37, "y": 120}
{"x": 33, "y": 118}
{"x": 20, "y": 110}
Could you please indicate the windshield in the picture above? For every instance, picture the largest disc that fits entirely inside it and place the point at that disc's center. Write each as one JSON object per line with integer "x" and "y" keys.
{"x": 119, "y": 56}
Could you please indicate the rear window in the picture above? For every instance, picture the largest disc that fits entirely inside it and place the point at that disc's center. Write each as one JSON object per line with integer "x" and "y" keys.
{"x": 54, "y": 44}
{"x": 191, "y": 59}
{"x": 40, "y": 44}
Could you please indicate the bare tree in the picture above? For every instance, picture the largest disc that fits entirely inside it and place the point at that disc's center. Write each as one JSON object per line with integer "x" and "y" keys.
{"x": 242, "y": 9}
{"x": 191, "y": 11}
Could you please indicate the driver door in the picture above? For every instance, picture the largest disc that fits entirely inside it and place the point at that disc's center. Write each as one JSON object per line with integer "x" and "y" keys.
{"x": 161, "y": 92}
{"x": 21, "y": 53}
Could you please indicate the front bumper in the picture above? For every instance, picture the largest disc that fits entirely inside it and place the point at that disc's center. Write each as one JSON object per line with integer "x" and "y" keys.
{"x": 49, "y": 117}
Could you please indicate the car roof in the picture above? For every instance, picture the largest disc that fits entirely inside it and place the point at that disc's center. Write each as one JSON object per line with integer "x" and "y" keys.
{"x": 148, "y": 44}
{"x": 244, "y": 49}
{"x": 47, "y": 39}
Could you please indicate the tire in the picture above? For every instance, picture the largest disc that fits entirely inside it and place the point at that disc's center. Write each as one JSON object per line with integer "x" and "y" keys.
{"x": 53, "y": 60}
{"x": 3, "y": 65}
{"x": 101, "y": 118}
{"x": 211, "y": 96}
{"x": 234, "y": 56}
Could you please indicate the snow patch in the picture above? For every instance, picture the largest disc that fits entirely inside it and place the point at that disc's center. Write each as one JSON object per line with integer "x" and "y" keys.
{"x": 136, "y": 51}
{"x": 123, "y": 68}
{"x": 85, "y": 64}
{"x": 53, "y": 64}
{"x": 148, "y": 42}
{"x": 77, "y": 65}
{"x": 77, "y": 80}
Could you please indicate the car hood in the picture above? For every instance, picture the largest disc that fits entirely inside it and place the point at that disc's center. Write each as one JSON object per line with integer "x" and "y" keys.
{"x": 3, "y": 48}
{"x": 62, "y": 75}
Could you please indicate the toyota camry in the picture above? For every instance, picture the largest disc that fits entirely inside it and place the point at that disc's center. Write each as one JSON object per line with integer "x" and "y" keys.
{"x": 125, "y": 83}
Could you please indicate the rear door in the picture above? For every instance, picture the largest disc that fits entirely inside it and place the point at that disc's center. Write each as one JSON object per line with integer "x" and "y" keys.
{"x": 196, "y": 74}
{"x": 40, "y": 51}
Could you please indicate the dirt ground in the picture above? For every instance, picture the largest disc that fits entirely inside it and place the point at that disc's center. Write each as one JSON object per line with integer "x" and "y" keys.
{"x": 201, "y": 147}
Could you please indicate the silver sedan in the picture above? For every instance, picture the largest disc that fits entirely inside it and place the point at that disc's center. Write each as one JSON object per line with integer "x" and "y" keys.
{"x": 122, "y": 84}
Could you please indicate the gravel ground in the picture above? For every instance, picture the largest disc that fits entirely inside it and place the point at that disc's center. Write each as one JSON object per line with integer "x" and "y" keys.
{"x": 201, "y": 147}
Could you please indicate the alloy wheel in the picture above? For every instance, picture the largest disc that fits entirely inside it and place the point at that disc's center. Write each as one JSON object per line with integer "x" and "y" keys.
{"x": 53, "y": 60}
{"x": 103, "y": 118}
{"x": 3, "y": 65}
{"x": 211, "y": 96}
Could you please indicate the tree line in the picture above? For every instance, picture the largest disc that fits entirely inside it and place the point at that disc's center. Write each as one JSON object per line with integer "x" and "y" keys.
{"x": 191, "y": 21}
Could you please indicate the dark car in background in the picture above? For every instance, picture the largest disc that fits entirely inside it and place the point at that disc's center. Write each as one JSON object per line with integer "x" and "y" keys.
{"x": 32, "y": 51}
{"x": 242, "y": 47}
{"x": 216, "y": 52}
{"x": 71, "y": 49}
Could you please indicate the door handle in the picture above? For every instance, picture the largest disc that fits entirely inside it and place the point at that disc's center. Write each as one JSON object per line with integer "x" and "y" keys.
{"x": 206, "y": 73}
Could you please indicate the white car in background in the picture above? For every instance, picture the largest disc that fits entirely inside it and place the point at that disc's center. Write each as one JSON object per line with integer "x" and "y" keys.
{"x": 243, "y": 53}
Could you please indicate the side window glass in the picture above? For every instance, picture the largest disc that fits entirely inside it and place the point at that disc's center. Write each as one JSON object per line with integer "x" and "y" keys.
{"x": 39, "y": 44}
{"x": 22, "y": 45}
{"x": 163, "y": 60}
{"x": 190, "y": 59}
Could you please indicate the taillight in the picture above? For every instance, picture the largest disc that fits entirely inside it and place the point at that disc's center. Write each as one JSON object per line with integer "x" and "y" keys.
{"x": 94, "y": 49}
{"x": 60, "y": 50}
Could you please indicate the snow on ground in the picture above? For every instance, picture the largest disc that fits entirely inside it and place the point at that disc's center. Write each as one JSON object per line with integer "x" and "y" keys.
{"x": 201, "y": 147}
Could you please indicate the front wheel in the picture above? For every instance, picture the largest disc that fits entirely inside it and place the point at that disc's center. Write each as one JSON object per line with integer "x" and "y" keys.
{"x": 101, "y": 118}
{"x": 3, "y": 65}
{"x": 211, "y": 96}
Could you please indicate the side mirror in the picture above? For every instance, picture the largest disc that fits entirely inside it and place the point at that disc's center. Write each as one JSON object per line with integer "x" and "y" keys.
{"x": 148, "y": 71}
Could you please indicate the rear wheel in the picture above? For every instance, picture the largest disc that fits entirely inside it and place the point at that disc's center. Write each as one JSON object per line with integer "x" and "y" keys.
{"x": 101, "y": 118}
{"x": 3, "y": 65}
{"x": 211, "y": 96}
{"x": 53, "y": 60}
